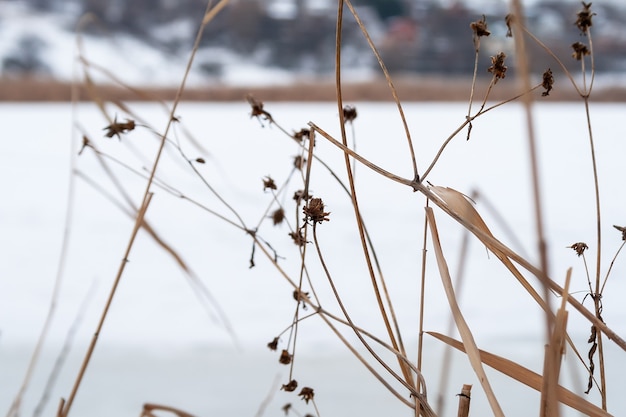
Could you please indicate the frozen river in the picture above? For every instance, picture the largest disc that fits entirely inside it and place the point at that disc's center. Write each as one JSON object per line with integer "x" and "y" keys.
{"x": 165, "y": 341}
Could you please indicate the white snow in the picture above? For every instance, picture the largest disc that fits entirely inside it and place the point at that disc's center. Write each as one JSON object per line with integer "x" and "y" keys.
{"x": 133, "y": 61}
{"x": 157, "y": 331}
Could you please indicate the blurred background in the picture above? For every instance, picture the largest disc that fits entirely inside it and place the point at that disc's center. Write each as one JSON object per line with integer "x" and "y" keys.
{"x": 159, "y": 344}
{"x": 278, "y": 42}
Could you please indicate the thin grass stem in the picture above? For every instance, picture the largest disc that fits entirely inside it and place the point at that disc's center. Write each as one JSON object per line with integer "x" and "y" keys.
{"x": 138, "y": 222}
{"x": 524, "y": 77}
{"x": 392, "y": 88}
{"x": 608, "y": 272}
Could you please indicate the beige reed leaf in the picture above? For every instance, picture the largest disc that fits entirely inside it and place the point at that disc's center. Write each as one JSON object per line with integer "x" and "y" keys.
{"x": 553, "y": 357}
{"x": 527, "y": 377}
{"x": 472, "y": 351}
{"x": 461, "y": 205}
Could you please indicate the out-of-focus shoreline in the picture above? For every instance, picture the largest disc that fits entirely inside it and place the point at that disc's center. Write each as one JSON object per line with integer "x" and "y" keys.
{"x": 408, "y": 88}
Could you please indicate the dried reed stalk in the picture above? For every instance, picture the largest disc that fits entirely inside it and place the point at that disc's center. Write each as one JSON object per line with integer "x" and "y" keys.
{"x": 464, "y": 401}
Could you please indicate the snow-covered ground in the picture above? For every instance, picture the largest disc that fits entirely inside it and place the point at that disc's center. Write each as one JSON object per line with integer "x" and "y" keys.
{"x": 160, "y": 345}
{"x": 52, "y": 41}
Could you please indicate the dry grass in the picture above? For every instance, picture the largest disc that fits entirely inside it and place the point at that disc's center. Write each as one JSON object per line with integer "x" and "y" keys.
{"x": 410, "y": 88}
{"x": 400, "y": 375}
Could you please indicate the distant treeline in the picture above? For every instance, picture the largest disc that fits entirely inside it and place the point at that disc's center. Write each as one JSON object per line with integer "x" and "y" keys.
{"x": 414, "y": 36}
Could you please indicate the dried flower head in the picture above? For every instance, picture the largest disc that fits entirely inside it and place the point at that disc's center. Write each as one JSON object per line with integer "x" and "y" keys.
{"x": 480, "y": 27}
{"x": 349, "y": 114}
{"x": 548, "y": 81}
{"x": 299, "y": 195}
{"x": 509, "y": 19}
{"x": 497, "y": 68}
{"x": 580, "y": 50}
{"x": 200, "y": 160}
{"x": 278, "y": 216}
{"x": 301, "y": 134}
{"x": 623, "y": 230}
{"x": 290, "y": 386}
{"x": 257, "y": 109}
{"x": 314, "y": 211}
{"x": 297, "y": 238}
{"x": 285, "y": 357}
{"x": 116, "y": 128}
{"x": 273, "y": 345}
{"x": 86, "y": 144}
{"x": 268, "y": 182}
{"x": 286, "y": 407}
{"x": 307, "y": 394}
{"x": 579, "y": 248}
{"x": 299, "y": 162}
{"x": 583, "y": 21}
{"x": 300, "y": 296}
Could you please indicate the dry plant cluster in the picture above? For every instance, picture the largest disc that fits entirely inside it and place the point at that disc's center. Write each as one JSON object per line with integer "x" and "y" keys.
{"x": 305, "y": 213}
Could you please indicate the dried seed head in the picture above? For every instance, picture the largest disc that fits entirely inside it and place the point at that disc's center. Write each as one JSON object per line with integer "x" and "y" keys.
{"x": 497, "y": 68}
{"x": 257, "y": 109}
{"x": 579, "y": 248}
{"x": 303, "y": 133}
{"x": 299, "y": 195}
{"x": 286, "y": 407}
{"x": 314, "y": 211}
{"x": 86, "y": 144}
{"x": 623, "y": 230}
{"x": 583, "y": 21}
{"x": 509, "y": 19}
{"x": 480, "y": 27}
{"x": 200, "y": 160}
{"x": 349, "y": 114}
{"x": 297, "y": 238}
{"x": 273, "y": 345}
{"x": 307, "y": 394}
{"x": 290, "y": 387}
{"x": 300, "y": 296}
{"x": 299, "y": 162}
{"x": 285, "y": 357}
{"x": 580, "y": 50}
{"x": 278, "y": 216}
{"x": 268, "y": 182}
{"x": 548, "y": 81}
{"x": 116, "y": 128}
